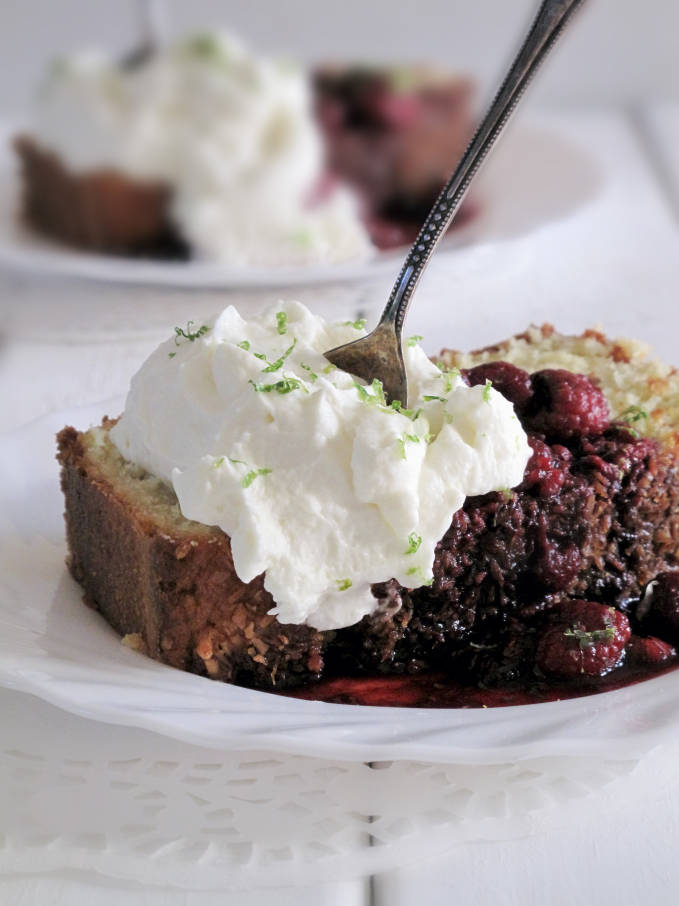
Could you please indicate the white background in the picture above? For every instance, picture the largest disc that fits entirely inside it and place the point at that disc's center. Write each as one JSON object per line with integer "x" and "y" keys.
{"x": 622, "y": 51}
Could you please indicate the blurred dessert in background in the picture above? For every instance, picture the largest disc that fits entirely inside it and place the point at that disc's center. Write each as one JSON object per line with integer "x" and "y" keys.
{"x": 207, "y": 151}
{"x": 394, "y": 134}
{"x": 204, "y": 150}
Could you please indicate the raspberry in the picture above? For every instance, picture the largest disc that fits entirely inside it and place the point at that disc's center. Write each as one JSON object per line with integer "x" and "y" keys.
{"x": 512, "y": 382}
{"x": 556, "y": 567}
{"x": 388, "y": 235}
{"x": 649, "y": 652}
{"x": 397, "y": 111}
{"x": 546, "y": 469}
{"x": 588, "y": 640}
{"x": 565, "y": 405}
{"x": 330, "y": 114}
{"x": 659, "y": 612}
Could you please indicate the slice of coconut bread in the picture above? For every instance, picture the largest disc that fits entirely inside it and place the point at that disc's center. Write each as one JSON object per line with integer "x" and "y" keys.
{"x": 596, "y": 518}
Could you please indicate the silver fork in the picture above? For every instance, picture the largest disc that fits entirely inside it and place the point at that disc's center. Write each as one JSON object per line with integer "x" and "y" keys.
{"x": 379, "y": 354}
{"x": 151, "y": 18}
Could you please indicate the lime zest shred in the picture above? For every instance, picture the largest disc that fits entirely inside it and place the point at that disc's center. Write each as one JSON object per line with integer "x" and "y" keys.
{"x": 374, "y": 398}
{"x": 589, "y": 639}
{"x": 448, "y": 375}
{"x": 189, "y": 334}
{"x": 631, "y": 415}
{"x": 401, "y": 442}
{"x": 312, "y": 374}
{"x": 417, "y": 571}
{"x": 278, "y": 364}
{"x": 414, "y": 542}
{"x": 285, "y": 385}
{"x": 397, "y": 406}
{"x": 250, "y": 476}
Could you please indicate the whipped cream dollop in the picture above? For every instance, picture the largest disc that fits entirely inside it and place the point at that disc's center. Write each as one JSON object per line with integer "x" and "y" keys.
{"x": 231, "y": 133}
{"x": 318, "y": 483}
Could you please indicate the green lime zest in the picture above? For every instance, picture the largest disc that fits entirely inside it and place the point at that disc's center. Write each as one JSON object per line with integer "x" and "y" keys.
{"x": 401, "y": 442}
{"x": 374, "y": 398}
{"x": 588, "y": 639}
{"x": 285, "y": 385}
{"x": 312, "y": 374}
{"x": 250, "y": 476}
{"x": 414, "y": 542}
{"x": 278, "y": 364}
{"x": 417, "y": 571}
{"x": 631, "y": 415}
{"x": 397, "y": 406}
{"x": 189, "y": 334}
{"x": 448, "y": 375}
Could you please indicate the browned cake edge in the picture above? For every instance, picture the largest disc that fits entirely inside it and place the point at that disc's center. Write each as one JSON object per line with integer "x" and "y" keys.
{"x": 102, "y": 210}
{"x": 174, "y": 595}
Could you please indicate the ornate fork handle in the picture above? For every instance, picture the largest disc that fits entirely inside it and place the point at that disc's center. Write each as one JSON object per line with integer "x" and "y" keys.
{"x": 548, "y": 25}
{"x": 151, "y": 20}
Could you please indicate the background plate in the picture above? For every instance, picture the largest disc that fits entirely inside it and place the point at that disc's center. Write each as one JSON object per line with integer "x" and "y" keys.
{"x": 516, "y": 194}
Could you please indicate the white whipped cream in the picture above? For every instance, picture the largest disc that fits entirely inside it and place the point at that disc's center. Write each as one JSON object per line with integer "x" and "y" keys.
{"x": 231, "y": 133}
{"x": 318, "y": 484}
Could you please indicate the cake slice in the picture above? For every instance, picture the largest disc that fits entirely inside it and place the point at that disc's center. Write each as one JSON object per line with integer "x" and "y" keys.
{"x": 144, "y": 162}
{"x": 102, "y": 210}
{"x": 570, "y": 551}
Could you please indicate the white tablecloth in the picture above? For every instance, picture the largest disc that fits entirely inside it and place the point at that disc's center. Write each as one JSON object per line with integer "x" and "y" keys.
{"x": 591, "y": 237}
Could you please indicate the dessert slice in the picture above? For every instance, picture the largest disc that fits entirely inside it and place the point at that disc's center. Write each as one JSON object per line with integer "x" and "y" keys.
{"x": 180, "y": 157}
{"x": 394, "y": 134}
{"x": 546, "y": 583}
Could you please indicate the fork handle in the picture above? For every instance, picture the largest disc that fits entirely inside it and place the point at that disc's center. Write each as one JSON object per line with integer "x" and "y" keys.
{"x": 546, "y": 28}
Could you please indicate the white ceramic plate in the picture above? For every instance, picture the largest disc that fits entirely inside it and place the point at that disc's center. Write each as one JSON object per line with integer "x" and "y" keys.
{"x": 23, "y": 249}
{"x": 517, "y": 193}
{"x": 51, "y": 645}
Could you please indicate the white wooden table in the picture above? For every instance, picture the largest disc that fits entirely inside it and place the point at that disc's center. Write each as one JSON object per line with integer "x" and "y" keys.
{"x": 596, "y": 242}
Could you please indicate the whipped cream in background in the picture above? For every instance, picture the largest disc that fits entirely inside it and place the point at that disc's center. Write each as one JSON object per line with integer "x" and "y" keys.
{"x": 230, "y": 132}
{"x": 317, "y": 482}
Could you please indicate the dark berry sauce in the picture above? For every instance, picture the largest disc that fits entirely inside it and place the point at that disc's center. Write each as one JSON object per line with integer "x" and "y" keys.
{"x": 436, "y": 690}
